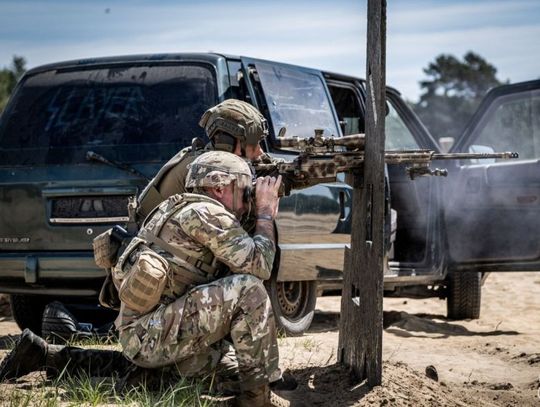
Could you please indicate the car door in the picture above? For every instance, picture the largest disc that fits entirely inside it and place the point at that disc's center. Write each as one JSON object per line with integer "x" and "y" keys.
{"x": 311, "y": 228}
{"x": 493, "y": 208}
{"x": 416, "y": 254}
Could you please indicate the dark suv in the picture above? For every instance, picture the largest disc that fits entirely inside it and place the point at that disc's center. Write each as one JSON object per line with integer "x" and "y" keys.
{"x": 138, "y": 111}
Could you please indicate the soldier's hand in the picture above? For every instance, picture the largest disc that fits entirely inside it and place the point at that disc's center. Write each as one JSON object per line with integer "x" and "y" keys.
{"x": 266, "y": 196}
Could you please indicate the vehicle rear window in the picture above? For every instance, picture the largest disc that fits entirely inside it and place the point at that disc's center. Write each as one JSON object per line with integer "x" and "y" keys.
{"x": 128, "y": 113}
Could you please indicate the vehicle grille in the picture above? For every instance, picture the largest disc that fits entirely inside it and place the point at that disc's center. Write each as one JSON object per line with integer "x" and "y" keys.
{"x": 89, "y": 209}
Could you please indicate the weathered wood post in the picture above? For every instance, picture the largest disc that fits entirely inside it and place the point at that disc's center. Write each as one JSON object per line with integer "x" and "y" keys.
{"x": 360, "y": 332}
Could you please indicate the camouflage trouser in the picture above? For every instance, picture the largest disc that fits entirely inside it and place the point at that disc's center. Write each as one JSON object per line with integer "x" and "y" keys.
{"x": 190, "y": 332}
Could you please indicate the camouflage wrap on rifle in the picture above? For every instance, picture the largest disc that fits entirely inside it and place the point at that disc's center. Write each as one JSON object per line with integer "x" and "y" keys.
{"x": 321, "y": 159}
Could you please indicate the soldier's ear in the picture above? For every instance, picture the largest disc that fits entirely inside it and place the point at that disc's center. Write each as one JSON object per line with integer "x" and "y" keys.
{"x": 216, "y": 192}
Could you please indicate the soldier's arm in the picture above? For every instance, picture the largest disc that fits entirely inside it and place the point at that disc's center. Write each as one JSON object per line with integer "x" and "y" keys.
{"x": 219, "y": 230}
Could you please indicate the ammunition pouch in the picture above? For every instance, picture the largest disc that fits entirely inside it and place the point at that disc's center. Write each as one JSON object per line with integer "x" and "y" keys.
{"x": 105, "y": 249}
{"x": 142, "y": 287}
{"x": 108, "y": 245}
{"x": 141, "y": 273}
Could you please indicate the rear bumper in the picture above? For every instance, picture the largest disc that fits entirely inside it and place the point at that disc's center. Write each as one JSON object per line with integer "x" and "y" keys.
{"x": 67, "y": 273}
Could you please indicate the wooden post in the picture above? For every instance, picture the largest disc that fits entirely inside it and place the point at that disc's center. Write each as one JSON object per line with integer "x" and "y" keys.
{"x": 360, "y": 332}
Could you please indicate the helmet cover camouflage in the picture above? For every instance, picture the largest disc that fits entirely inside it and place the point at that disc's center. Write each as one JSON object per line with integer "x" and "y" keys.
{"x": 218, "y": 169}
{"x": 237, "y": 118}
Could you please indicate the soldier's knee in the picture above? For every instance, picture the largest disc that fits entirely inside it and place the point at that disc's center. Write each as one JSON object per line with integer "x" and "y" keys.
{"x": 244, "y": 289}
{"x": 253, "y": 283}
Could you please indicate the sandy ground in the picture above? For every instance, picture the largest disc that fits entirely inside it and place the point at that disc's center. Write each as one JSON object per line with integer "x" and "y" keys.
{"x": 492, "y": 361}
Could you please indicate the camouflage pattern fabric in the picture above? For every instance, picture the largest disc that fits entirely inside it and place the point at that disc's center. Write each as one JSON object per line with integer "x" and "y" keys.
{"x": 188, "y": 327}
{"x": 189, "y": 332}
{"x": 203, "y": 228}
{"x": 218, "y": 169}
{"x": 237, "y": 118}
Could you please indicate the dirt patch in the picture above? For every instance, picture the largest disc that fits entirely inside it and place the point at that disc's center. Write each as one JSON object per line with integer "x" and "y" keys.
{"x": 490, "y": 361}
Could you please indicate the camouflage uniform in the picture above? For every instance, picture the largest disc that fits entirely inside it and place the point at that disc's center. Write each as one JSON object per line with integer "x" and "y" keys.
{"x": 239, "y": 119}
{"x": 191, "y": 322}
{"x": 171, "y": 178}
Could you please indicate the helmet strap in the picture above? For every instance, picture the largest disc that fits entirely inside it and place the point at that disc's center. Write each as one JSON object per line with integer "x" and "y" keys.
{"x": 235, "y": 198}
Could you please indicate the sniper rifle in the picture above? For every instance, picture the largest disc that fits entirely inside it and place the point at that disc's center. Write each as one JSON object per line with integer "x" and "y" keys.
{"x": 321, "y": 159}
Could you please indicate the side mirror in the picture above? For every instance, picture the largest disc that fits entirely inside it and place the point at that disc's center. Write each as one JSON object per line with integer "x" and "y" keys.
{"x": 479, "y": 149}
{"x": 446, "y": 143}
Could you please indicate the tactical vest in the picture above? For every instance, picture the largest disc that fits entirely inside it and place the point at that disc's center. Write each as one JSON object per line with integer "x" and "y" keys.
{"x": 151, "y": 196}
{"x": 152, "y": 271}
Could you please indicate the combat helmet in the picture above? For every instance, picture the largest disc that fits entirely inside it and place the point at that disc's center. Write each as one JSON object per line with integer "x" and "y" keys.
{"x": 218, "y": 169}
{"x": 235, "y": 118}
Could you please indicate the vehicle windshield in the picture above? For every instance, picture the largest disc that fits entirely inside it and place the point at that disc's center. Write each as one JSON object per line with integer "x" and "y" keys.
{"x": 296, "y": 100}
{"x": 126, "y": 113}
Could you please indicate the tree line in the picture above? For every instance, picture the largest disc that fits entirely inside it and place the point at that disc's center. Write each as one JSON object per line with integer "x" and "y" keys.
{"x": 9, "y": 77}
{"x": 451, "y": 91}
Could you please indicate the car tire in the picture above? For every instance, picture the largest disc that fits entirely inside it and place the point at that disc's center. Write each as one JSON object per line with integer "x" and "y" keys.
{"x": 293, "y": 303}
{"x": 27, "y": 311}
{"x": 464, "y": 295}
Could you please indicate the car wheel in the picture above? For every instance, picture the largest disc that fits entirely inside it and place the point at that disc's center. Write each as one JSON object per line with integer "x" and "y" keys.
{"x": 464, "y": 295}
{"x": 27, "y": 311}
{"x": 294, "y": 304}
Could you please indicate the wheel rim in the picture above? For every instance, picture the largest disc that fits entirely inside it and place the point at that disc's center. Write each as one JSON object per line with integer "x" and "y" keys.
{"x": 292, "y": 298}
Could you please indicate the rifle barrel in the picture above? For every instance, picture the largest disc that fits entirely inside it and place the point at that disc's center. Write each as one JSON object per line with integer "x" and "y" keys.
{"x": 468, "y": 156}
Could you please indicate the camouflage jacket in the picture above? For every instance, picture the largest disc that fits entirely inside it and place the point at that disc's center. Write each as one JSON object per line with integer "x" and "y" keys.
{"x": 171, "y": 178}
{"x": 203, "y": 228}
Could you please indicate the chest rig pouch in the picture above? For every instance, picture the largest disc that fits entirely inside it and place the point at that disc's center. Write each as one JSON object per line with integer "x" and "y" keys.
{"x": 141, "y": 273}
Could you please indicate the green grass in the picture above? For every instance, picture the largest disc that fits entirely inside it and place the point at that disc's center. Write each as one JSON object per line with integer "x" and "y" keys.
{"x": 310, "y": 345}
{"x": 84, "y": 390}
{"x": 110, "y": 342}
{"x": 91, "y": 392}
{"x": 79, "y": 390}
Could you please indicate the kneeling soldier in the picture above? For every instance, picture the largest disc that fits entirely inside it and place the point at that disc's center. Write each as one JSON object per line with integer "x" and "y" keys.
{"x": 176, "y": 310}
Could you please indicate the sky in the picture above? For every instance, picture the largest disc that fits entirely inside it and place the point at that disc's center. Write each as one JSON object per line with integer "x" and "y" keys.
{"x": 329, "y": 35}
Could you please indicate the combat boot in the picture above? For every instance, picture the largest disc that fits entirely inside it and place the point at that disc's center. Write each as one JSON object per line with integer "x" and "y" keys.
{"x": 59, "y": 325}
{"x": 260, "y": 397}
{"x": 286, "y": 382}
{"x": 28, "y": 355}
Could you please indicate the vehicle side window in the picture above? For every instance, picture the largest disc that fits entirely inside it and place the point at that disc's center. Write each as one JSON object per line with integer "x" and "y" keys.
{"x": 348, "y": 109}
{"x": 297, "y": 100}
{"x": 398, "y": 136}
{"x": 513, "y": 124}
